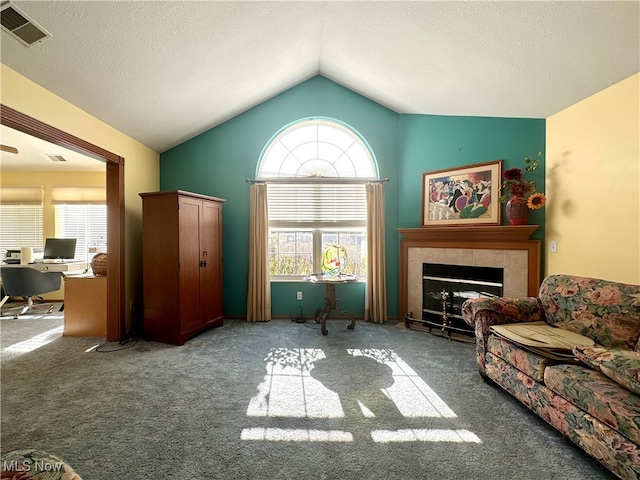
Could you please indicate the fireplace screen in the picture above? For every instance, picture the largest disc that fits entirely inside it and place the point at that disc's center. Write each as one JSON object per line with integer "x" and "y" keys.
{"x": 446, "y": 287}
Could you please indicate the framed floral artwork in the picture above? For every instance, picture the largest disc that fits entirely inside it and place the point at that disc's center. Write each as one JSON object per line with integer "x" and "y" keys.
{"x": 462, "y": 196}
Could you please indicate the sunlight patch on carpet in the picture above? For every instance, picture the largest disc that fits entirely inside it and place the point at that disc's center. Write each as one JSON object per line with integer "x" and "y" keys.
{"x": 424, "y": 435}
{"x": 365, "y": 411}
{"x": 373, "y": 383}
{"x": 411, "y": 395}
{"x": 295, "y": 435}
{"x": 288, "y": 390}
{"x": 36, "y": 342}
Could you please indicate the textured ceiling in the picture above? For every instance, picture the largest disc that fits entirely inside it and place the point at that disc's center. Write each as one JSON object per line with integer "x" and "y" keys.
{"x": 162, "y": 72}
{"x": 33, "y": 155}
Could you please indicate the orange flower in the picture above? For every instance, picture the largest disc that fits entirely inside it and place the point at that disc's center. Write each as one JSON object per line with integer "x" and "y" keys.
{"x": 537, "y": 200}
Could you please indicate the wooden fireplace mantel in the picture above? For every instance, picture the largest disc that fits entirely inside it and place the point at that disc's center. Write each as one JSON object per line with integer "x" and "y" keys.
{"x": 495, "y": 237}
{"x": 512, "y": 233}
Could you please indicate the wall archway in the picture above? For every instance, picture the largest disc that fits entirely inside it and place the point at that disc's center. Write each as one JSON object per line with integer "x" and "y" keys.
{"x": 115, "y": 206}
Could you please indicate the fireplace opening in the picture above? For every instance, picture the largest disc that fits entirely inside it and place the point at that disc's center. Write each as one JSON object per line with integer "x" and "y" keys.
{"x": 444, "y": 290}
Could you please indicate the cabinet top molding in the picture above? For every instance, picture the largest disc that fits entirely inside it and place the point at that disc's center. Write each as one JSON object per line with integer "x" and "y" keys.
{"x": 182, "y": 193}
{"x": 507, "y": 233}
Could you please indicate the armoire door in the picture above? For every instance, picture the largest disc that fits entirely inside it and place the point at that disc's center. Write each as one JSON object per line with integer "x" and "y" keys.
{"x": 189, "y": 263}
{"x": 211, "y": 258}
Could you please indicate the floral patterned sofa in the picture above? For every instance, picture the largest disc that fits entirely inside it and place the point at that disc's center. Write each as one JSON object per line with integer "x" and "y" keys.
{"x": 593, "y": 400}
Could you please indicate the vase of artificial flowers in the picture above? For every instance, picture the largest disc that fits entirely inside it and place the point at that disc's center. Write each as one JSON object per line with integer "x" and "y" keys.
{"x": 519, "y": 193}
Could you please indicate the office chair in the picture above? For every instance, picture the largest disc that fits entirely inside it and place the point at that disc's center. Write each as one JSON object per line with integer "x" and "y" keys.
{"x": 27, "y": 282}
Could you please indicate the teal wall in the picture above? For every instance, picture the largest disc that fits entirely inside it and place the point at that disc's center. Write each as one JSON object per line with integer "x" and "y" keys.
{"x": 218, "y": 161}
{"x": 434, "y": 142}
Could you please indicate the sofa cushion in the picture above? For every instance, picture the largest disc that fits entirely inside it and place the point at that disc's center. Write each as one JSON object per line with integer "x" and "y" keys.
{"x": 596, "y": 394}
{"x": 527, "y": 362}
{"x": 621, "y": 366}
{"x": 607, "y": 312}
{"x": 616, "y": 451}
{"x": 589, "y": 355}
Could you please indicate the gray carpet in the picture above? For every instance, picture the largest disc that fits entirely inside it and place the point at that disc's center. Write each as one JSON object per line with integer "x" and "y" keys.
{"x": 273, "y": 400}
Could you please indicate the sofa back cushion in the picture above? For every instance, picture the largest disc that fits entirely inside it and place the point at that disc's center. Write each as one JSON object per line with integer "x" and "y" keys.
{"x": 607, "y": 312}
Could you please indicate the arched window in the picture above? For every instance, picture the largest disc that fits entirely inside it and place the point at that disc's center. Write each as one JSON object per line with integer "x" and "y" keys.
{"x": 316, "y": 171}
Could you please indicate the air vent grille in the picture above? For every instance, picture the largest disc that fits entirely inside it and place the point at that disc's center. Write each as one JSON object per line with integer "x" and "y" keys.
{"x": 57, "y": 158}
{"x": 20, "y": 26}
{"x": 11, "y": 19}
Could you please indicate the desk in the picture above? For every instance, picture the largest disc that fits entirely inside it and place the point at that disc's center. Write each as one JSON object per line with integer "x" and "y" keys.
{"x": 330, "y": 300}
{"x": 51, "y": 267}
{"x": 85, "y": 306}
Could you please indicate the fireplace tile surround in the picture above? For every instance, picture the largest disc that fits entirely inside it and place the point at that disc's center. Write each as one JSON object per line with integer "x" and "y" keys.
{"x": 507, "y": 247}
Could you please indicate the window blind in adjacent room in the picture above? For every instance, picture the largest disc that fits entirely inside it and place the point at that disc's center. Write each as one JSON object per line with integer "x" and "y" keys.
{"x": 20, "y": 218}
{"x": 82, "y": 195}
{"x": 86, "y": 223}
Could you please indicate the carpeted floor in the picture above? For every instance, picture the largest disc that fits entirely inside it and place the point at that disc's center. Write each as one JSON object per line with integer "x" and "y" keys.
{"x": 274, "y": 400}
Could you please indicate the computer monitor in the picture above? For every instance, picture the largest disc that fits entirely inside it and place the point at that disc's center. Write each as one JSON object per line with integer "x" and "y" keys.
{"x": 62, "y": 248}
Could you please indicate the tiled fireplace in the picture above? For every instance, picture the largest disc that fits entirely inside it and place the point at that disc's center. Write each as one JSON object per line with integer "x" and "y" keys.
{"x": 504, "y": 247}
{"x": 445, "y": 287}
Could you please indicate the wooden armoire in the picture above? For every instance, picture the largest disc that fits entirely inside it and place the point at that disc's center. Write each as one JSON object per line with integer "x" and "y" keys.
{"x": 182, "y": 264}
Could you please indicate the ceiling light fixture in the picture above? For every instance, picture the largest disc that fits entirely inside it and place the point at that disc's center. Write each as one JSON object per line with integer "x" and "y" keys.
{"x": 8, "y": 149}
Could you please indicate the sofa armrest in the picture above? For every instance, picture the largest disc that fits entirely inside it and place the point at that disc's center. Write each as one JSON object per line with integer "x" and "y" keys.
{"x": 482, "y": 313}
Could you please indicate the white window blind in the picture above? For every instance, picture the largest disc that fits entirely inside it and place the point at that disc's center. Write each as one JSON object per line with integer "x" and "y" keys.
{"x": 20, "y": 226}
{"x": 322, "y": 203}
{"x": 86, "y": 223}
{"x": 21, "y": 195}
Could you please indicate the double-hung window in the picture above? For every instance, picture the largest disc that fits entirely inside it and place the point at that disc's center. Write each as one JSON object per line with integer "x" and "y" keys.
{"x": 315, "y": 171}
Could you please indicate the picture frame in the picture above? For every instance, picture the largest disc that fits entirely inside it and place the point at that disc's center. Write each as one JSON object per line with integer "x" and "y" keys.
{"x": 462, "y": 196}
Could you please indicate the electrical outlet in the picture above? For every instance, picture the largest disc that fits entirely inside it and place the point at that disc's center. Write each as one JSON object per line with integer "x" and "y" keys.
{"x": 299, "y": 295}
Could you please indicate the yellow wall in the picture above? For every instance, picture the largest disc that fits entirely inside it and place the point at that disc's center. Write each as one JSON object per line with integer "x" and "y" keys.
{"x": 593, "y": 185}
{"x": 142, "y": 170}
{"x": 48, "y": 180}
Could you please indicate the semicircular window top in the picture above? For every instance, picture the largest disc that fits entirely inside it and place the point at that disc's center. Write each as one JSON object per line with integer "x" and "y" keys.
{"x": 316, "y": 170}
{"x": 317, "y": 148}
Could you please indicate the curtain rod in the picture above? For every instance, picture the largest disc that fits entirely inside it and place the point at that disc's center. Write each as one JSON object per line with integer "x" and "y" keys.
{"x": 332, "y": 180}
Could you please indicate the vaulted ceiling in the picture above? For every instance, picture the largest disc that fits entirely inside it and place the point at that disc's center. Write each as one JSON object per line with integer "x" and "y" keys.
{"x": 164, "y": 71}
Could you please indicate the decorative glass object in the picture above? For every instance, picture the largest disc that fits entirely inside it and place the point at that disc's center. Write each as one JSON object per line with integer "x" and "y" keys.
{"x": 334, "y": 260}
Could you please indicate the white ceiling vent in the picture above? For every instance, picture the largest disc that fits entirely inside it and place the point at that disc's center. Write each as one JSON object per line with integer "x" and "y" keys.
{"x": 57, "y": 158}
{"x": 20, "y": 26}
